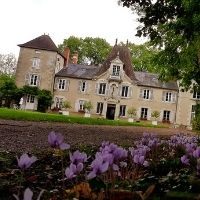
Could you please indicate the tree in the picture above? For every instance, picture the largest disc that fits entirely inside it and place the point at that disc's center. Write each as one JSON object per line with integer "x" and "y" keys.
{"x": 173, "y": 26}
{"x": 142, "y": 57}
{"x": 8, "y": 64}
{"x": 90, "y": 50}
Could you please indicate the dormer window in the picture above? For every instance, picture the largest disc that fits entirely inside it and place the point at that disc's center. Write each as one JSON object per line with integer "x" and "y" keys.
{"x": 116, "y": 70}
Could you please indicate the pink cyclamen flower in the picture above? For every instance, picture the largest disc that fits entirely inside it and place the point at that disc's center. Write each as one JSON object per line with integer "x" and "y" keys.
{"x": 24, "y": 162}
{"x": 56, "y": 140}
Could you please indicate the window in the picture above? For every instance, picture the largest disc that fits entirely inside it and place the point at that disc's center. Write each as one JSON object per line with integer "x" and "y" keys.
{"x": 168, "y": 96}
{"x": 196, "y": 95}
{"x": 102, "y": 88}
{"x": 59, "y": 102}
{"x": 81, "y": 103}
{"x": 99, "y": 108}
{"x": 116, "y": 70}
{"x": 33, "y": 79}
{"x": 83, "y": 86}
{"x": 36, "y": 62}
{"x": 61, "y": 84}
{"x": 144, "y": 112}
{"x": 125, "y": 91}
{"x": 166, "y": 115}
{"x": 122, "y": 110}
{"x": 193, "y": 112}
{"x": 30, "y": 99}
{"x": 146, "y": 94}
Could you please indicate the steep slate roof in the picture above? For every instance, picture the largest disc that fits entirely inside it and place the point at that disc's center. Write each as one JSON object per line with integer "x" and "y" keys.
{"x": 124, "y": 56}
{"x": 151, "y": 80}
{"x": 43, "y": 42}
{"x": 79, "y": 71}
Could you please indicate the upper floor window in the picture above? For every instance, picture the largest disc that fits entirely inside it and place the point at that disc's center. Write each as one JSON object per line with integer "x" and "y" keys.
{"x": 166, "y": 115}
{"x": 144, "y": 113}
{"x": 61, "y": 84}
{"x": 122, "y": 110}
{"x": 169, "y": 96}
{"x": 116, "y": 70}
{"x": 99, "y": 107}
{"x": 102, "y": 88}
{"x": 82, "y": 86}
{"x": 124, "y": 91}
{"x": 146, "y": 94}
{"x": 36, "y": 62}
{"x": 33, "y": 80}
{"x": 196, "y": 95}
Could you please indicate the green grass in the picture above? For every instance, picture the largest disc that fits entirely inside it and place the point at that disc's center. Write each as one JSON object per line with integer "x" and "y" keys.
{"x": 46, "y": 117}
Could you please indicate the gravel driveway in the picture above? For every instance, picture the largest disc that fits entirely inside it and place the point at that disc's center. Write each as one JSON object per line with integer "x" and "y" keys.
{"x": 26, "y": 136}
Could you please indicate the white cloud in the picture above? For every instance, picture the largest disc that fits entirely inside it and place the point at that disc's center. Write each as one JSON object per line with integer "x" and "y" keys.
{"x": 24, "y": 20}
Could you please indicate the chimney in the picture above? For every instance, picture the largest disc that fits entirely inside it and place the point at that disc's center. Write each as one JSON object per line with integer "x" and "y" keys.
{"x": 75, "y": 58}
{"x": 66, "y": 55}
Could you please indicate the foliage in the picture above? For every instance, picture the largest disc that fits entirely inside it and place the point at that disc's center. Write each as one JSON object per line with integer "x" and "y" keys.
{"x": 8, "y": 64}
{"x": 172, "y": 26}
{"x": 155, "y": 114}
{"x": 142, "y": 57}
{"x": 87, "y": 106}
{"x": 67, "y": 104}
{"x": 132, "y": 112}
{"x": 44, "y": 100}
{"x": 150, "y": 169}
{"x": 37, "y": 116}
{"x": 30, "y": 90}
{"x": 196, "y": 120}
{"x": 90, "y": 50}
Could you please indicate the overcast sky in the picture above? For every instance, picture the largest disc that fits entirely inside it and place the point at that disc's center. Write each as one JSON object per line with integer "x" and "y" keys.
{"x": 24, "y": 20}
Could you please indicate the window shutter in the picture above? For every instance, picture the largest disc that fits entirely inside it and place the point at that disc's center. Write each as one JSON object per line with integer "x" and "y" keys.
{"x": 56, "y": 83}
{"x": 27, "y": 79}
{"x": 173, "y": 97}
{"x": 107, "y": 89}
{"x": 151, "y": 94}
{"x": 171, "y": 117}
{"x": 79, "y": 86}
{"x": 38, "y": 80}
{"x": 86, "y": 86}
{"x": 119, "y": 90}
{"x": 67, "y": 82}
{"x": 96, "y": 88}
{"x": 148, "y": 114}
{"x": 141, "y": 93}
{"x": 163, "y": 96}
{"x": 130, "y": 91}
{"x": 161, "y": 115}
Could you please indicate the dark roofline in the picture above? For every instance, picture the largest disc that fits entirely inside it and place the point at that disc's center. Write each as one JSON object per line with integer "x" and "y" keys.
{"x": 70, "y": 76}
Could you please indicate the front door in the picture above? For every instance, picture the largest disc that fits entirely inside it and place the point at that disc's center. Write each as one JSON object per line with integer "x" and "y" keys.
{"x": 110, "y": 114}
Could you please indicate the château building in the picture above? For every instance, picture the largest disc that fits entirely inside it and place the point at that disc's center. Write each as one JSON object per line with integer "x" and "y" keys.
{"x": 112, "y": 87}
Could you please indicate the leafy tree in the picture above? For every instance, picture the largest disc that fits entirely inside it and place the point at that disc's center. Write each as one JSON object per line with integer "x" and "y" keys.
{"x": 44, "y": 100}
{"x": 142, "y": 57}
{"x": 173, "y": 26}
{"x": 90, "y": 50}
{"x": 8, "y": 64}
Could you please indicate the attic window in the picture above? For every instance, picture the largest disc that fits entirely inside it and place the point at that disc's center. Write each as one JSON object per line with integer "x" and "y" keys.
{"x": 116, "y": 70}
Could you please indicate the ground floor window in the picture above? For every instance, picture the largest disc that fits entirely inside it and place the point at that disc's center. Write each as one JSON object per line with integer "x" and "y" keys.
{"x": 30, "y": 99}
{"x": 59, "y": 102}
{"x": 166, "y": 115}
{"x": 99, "y": 108}
{"x": 122, "y": 110}
{"x": 144, "y": 112}
{"x": 81, "y": 105}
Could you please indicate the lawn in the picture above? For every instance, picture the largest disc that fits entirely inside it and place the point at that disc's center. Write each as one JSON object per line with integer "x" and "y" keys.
{"x": 37, "y": 116}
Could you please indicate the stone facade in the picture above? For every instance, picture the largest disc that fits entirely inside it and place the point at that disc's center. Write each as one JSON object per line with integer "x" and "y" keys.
{"x": 112, "y": 88}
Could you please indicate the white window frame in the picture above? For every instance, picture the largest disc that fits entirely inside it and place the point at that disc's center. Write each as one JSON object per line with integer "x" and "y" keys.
{"x": 99, "y": 108}
{"x": 83, "y": 86}
{"x": 122, "y": 110}
{"x": 33, "y": 80}
{"x": 168, "y": 97}
{"x": 192, "y": 113}
{"x": 58, "y": 102}
{"x": 30, "y": 98}
{"x": 115, "y": 70}
{"x": 146, "y": 94}
{"x": 102, "y": 88}
{"x": 166, "y": 115}
{"x": 125, "y": 91}
{"x": 62, "y": 84}
{"x": 81, "y": 105}
{"x": 196, "y": 95}
{"x": 144, "y": 113}
{"x": 36, "y": 63}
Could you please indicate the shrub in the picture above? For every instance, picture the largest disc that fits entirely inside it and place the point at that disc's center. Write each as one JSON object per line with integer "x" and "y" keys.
{"x": 67, "y": 104}
{"x": 155, "y": 114}
{"x": 87, "y": 106}
{"x": 132, "y": 112}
